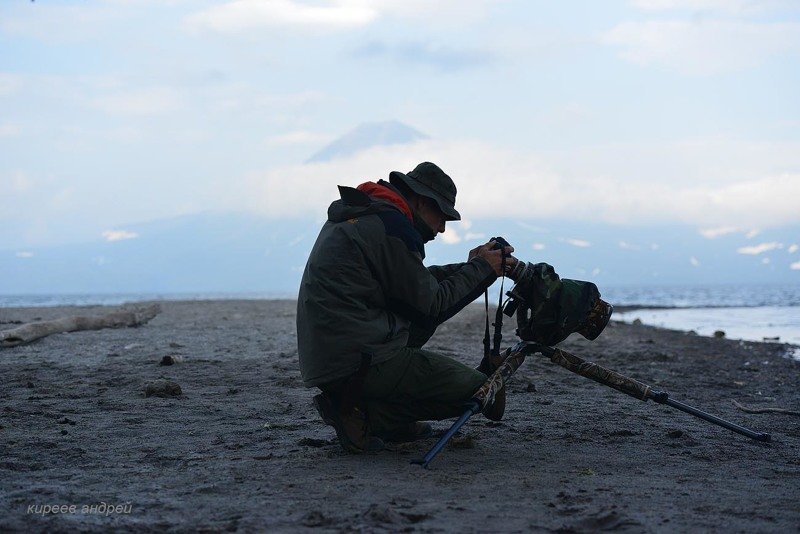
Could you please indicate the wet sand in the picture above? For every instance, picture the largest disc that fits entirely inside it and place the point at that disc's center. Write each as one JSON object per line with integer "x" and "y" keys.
{"x": 242, "y": 448}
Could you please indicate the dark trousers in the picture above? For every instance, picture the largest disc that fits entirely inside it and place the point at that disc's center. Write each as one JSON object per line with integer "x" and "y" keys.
{"x": 417, "y": 385}
{"x": 413, "y": 385}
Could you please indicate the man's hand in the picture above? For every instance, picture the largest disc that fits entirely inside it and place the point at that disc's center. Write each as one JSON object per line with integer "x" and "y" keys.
{"x": 494, "y": 257}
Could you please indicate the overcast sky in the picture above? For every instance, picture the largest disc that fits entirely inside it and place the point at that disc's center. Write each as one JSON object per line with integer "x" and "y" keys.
{"x": 643, "y": 111}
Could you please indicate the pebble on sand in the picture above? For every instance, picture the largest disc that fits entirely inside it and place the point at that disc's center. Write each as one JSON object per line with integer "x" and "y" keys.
{"x": 162, "y": 388}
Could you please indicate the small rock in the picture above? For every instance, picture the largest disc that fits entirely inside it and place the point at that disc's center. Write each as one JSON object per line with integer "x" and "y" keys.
{"x": 674, "y": 434}
{"x": 64, "y": 432}
{"x": 66, "y": 421}
{"x": 174, "y": 345}
{"x": 719, "y": 333}
{"x": 530, "y": 388}
{"x": 167, "y": 360}
{"x": 29, "y": 385}
{"x": 162, "y": 388}
{"x": 637, "y": 322}
{"x": 232, "y": 391}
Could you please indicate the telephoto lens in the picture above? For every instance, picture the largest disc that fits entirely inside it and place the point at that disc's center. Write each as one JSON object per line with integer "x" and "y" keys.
{"x": 519, "y": 271}
{"x": 549, "y": 308}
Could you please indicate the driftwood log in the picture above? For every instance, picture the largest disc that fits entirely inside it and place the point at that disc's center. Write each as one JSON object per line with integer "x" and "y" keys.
{"x": 765, "y": 410}
{"x": 134, "y": 316}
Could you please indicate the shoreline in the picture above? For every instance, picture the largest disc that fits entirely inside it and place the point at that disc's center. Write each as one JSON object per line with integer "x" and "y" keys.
{"x": 241, "y": 448}
{"x": 792, "y": 347}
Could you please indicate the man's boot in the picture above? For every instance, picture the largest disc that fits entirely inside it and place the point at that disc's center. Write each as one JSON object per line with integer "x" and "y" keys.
{"x": 494, "y": 410}
{"x": 351, "y": 428}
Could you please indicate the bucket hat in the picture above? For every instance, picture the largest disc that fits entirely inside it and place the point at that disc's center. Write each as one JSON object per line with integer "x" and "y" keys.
{"x": 428, "y": 180}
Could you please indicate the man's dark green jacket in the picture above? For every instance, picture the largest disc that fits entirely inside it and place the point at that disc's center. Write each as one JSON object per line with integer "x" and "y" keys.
{"x": 364, "y": 284}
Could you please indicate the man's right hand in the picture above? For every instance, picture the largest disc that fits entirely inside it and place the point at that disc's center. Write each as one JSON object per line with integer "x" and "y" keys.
{"x": 494, "y": 257}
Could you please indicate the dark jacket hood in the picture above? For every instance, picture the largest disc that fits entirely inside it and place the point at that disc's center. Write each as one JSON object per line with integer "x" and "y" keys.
{"x": 353, "y": 203}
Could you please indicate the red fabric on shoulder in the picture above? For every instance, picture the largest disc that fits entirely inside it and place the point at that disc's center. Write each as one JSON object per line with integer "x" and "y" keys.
{"x": 384, "y": 193}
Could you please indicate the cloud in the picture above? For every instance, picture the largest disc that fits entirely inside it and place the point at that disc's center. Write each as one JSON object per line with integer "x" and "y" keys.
{"x": 8, "y": 129}
{"x": 765, "y": 261}
{"x": 450, "y": 236}
{"x": 763, "y": 201}
{"x": 24, "y": 254}
{"x": 455, "y": 13}
{"x": 759, "y": 249}
{"x": 432, "y": 54}
{"x": 703, "y": 47}
{"x": 724, "y": 6}
{"x": 453, "y": 232}
{"x": 793, "y": 248}
{"x": 694, "y": 261}
{"x": 713, "y": 233}
{"x": 627, "y": 246}
{"x": 248, "y": 15}
{"x": 752, "y": 233}
{"x": 119, "y": 235}
{"x": 795, "y": 266}
{"x": 538, "y": 246}
{"x": 580, "y": 243}
{"x": 539, "y": 184}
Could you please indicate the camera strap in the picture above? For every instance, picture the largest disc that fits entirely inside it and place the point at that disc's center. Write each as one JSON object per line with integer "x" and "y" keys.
{"x": 494, "y": 350}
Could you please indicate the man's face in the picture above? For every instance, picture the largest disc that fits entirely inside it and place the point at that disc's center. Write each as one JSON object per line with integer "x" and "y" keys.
{"x": 429, "y": 211}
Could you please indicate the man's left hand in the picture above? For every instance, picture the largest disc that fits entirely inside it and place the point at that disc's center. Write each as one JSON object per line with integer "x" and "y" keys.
{"x": 494, "y": 257}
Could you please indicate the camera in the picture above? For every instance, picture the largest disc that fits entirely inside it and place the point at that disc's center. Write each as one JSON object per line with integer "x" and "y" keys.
{"x": 500, "y": 243}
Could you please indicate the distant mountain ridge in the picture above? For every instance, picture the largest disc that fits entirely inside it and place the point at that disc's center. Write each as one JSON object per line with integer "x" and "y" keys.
{"x": 228, "y": 253}
{"x": 365, "y": 136}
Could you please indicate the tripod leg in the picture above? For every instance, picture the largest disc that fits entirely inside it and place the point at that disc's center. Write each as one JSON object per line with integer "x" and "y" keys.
{"x": 471, "y": 410}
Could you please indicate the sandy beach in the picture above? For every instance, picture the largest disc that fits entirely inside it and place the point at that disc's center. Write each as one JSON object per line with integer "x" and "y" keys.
{"x": 241, "y": 449}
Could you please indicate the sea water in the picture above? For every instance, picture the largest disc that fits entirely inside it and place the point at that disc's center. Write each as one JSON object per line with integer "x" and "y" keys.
{"x": 762, "y": 323}
{"x": 746, "y": 312}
